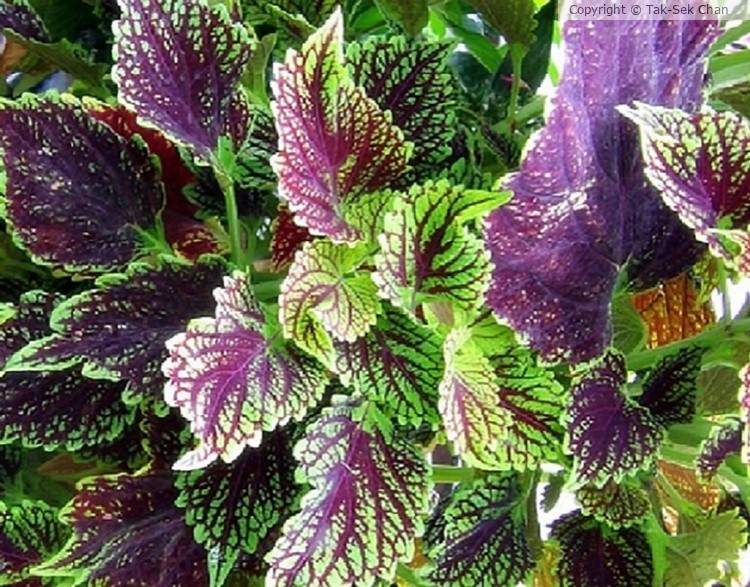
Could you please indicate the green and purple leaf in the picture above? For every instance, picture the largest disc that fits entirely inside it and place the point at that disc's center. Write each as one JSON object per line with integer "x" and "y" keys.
{"x": 364, "y": 510}
{"x": 484, "y": 536}
{"x": 592, "y": 554}
{"x": 235, "y": 508}
{"x": 29, "y": 533}
{"x": 700, "y": 163}
{"x": 335, "y": 143}
{"x": 78, "y": 194}
{"x": 118, "y": 330}
{"x": 127, "y": 531}
{"x": 178, "y": 64}
{"x": 232, "y": 380}
{"x": 582, "y": 207}
{"x": 725, "y": 440}
{"x": 20, "y": 17}
{"x": 619, "y": 505}
{"x": 608, "y": 434}
{"x": 500, "y": 408}
{"x": 426, "y": 253}
{"x": 325, "y": 297}
{"x": 398, "y": 365}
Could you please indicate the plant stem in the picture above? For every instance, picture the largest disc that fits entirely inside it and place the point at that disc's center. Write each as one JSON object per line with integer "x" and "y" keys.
{"x": 532, "y": 517}
{"x": 233, "y": 219}
{"x": 517, "y": 53}
{"x": 719, "y": 332}
{"x": 448, "y": 474}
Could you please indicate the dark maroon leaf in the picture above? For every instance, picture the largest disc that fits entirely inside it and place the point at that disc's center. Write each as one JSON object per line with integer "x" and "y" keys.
{"x": 582, "y": 206}
{"x": 725, "y": 439}
{"x": 19, "y": 16}
{"x": 78, "y": 193}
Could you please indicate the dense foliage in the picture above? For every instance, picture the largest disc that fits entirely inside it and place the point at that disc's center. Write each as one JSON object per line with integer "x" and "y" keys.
{"x": 298, "y": 294}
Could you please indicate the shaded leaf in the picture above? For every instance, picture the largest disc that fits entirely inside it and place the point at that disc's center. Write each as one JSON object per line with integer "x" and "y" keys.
{"x": 78, "y": 193}
{"x": 685, "y": 482}
{"x": 514, "y": 19}
{"x": 485, "y": 536}
{"x": 178, "y": 64}
{"x": 335, "y": 144}
{"x": 20, "y": 17}
{"x": 232, "y": 381}
{"x": 619, "y": 505}
{"x": 287, "y": 239}
{"x": 411, "y": 16}
{"x": 363, "y": 512}
{"x": 593, "y": 554}
{"x": 629, "y": 332}
{"x": 500, "y": 409}
{"x": 398, "y": 365}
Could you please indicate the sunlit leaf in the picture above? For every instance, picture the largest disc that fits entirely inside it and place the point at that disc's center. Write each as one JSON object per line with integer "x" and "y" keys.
{"x": 685, "y": 482}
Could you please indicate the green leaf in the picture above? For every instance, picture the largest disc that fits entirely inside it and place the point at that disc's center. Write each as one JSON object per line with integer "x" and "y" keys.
{"x": 629, "y": 331}
{"x": 411, "y": 15}
{"x": 325, "y": 297}
{"x": 617, "y": 504}
{"x": 514, "y": 19}
{"x": 737, "y": 96}
{"x": 692, "y": 559}
{"x": 501, "y": 410}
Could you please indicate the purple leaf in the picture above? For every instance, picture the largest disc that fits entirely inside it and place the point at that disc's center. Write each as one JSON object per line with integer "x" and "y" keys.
{"x": 232, "y": 380}
{"x": 335, "y": 144}
{"x": 78, "y": 193}
{"x": 398, "y": 365}
{"x": 700, "y": 163}
{"x": 20, "y": 17}
{"x": 118, "y": 330}
{"x": 484, "y": 536}
{"x": 127, "y": 531}
{"x": 592, "y": 554}
{"x": 669, "y": 390}
{"x": 582, "y": 207}
{"x": 725, "y": 439}
{"x": 608, "y": 434}
{"x": 364, "y": 510}
{"x": 178, "y": 63}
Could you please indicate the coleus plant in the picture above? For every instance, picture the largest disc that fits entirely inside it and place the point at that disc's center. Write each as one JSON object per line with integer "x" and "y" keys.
{"x": 283, "y": 304}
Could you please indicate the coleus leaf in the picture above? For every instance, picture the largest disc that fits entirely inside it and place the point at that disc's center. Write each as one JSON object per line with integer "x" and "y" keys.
{"x": 426, "y": 253}
{"x": 500, "y": 408}
{"x": 484, "y": 536}
{"x": 314, "y": 12}
{"x": 608, "y": 434}
{"x": 77, "y": 193}
{"x": 558, "y": 245}
{"x": 326, "y": 297}
{"x": 725, "y": 439}
{"x": 236, "y": 508}
{"x": 693, "y": 559}
{"x": 672, "y": 311}
{"x": 53, "y": 409}
{"x": 369, "y": 493}
{"x": 118, "y": 329}
{"x": 287, "y": 239}
{"x": 411, "y": 80}
{"x": 682, "y": 482}
{"x": 21, "y": 18}
{"x": 29, "y": 533}
{"x": 618, "y": 505}
{"x": 232, "y": 380}
{"x": 514, "y": 19}
{"x": 593, "y": 554}
{"x": 398, "y": 365}
{"x": 178, "y": 63}
{"x": 127, "y": 531}
{"x": 700, "y": 163}
{"x": 669, "y": 390}
{"x": 335, "y": 143}
{"x": 412, "y": 17}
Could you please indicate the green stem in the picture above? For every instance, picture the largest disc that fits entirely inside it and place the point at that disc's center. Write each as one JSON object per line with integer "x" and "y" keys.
{"x": 719, "y": 333}
{"x": 22, "y": 266}
{"x": 533, "y": 535}
{"x": 517, "y": 53}
{"x": 409, "y": 577}
{"x": 267, "y": 290}
{"x": 233, "y": 219}
{"x": 448, "y": 474}
{"x": 726, "y": 301}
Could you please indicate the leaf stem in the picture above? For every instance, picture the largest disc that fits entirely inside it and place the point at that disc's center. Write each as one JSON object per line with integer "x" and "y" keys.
{"x": 448, "y": 474}
{"x": 233, "y": 219}
{"x": 517, "y": 53}
{"x": 533, "y": 535}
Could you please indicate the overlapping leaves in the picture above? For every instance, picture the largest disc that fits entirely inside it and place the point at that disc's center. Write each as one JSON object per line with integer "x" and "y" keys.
{"x": 484, "y": 536}
{"x": 335, "y": 144}
{"x": 500, "y": 408}
{"x": 368, "y": 496}
{"x": 232, "y": 381}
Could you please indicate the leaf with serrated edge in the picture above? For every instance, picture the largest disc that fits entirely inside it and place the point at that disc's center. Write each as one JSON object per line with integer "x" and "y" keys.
{"x": 365, "y": 509}
{"x": 178, "y": 64}
{"x": 325, "y": 298}
{"x": 500, "y": 408}
{"x": 426, "y": 253}
{"x": 77, "y": 192}
{"x": 609, "y": 435}
{"x": 618, "y": 504}
{"x": 485, "y": 536}
{"x": 725, "y": 439}
{"x": 398, "y": 365}
{"x": 335, "y": 144}
{"x": 232, "y": 382}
